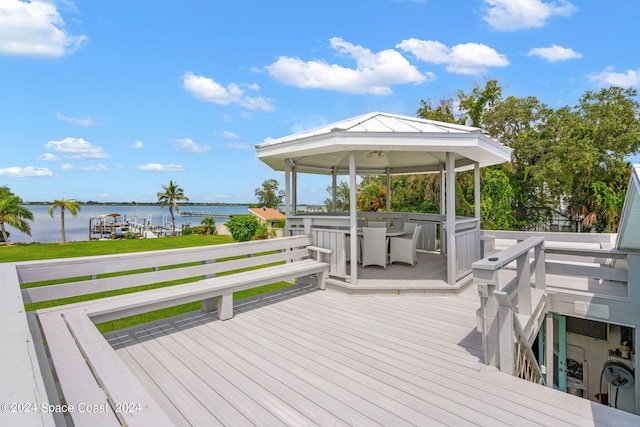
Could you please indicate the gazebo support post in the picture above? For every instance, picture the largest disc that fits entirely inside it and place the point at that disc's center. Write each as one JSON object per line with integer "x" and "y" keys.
{"x": 287, "y": 188}
{"x": 353, "y": 217}
{"x": 388, "y": 206}
{"x": 294, "y": 189}
{"x": 443, "y": 206}
{"x": 451, "y": 219}
{"x": 476, "y": 194}
{"x": 334, "y": 186}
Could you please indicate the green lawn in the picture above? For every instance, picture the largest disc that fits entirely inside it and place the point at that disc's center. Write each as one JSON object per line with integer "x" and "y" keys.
{"x": 42, "y": 251}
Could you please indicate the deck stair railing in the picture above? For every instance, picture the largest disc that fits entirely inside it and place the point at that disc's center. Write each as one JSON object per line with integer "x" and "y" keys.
{"x": 512, "y": 313}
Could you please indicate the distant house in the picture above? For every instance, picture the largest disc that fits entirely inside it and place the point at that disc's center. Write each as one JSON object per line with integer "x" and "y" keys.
{"x": 268, "y": 216}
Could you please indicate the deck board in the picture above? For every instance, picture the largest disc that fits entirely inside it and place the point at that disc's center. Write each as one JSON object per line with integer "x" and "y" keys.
{"x": 306, "y": 357}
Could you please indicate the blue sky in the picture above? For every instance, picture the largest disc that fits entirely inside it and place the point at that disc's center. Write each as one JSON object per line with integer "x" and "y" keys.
{"x": 109, "y": 100}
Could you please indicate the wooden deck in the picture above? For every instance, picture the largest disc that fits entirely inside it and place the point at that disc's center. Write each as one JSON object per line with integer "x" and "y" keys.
{"x": 427, "y": 277}
{"x": 306, "y": 357}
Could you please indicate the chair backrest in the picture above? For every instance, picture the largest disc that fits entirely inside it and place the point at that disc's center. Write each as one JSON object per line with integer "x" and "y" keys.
{"x": 374, "y": 235}
{"x": 377, "y": 224}
{"x": 409, "y": 227}
{"x": 416, "y": 234}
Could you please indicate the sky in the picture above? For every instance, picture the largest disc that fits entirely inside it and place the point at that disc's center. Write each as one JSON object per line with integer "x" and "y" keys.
{"x": 110, "y": 100}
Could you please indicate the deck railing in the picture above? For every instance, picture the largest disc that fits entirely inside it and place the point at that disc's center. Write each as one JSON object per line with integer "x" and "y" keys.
{"x": 329, "y": 231}
{"x": 513, "y": 306}
{"x": 508, "y": 326}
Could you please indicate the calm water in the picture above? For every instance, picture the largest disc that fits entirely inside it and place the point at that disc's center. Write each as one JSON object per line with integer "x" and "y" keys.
{"x": 45, "y": 229}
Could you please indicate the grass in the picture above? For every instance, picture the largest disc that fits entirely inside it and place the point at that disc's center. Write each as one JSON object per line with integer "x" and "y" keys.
{"x": 44, "y": 251}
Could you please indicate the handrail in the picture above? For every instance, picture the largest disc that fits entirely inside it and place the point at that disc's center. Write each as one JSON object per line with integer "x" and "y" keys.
{"x": 500, "y": 321}
{"x": 508, "y": 330}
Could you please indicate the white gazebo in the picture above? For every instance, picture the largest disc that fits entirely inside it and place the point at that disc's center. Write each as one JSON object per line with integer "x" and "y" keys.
{"x": 387, "y": 144}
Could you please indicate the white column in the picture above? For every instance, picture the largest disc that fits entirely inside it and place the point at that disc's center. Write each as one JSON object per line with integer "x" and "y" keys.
{"x": 388, "y": 206}
{"x": 476, "y": 194}
{"x": 476, "y": 188}
{"x": 451, "y": 219}
{"x": 294, "y": 189}
{"x": 334, "y": 186}
{"x": 287, "y": 188}
{"x": 443, "y": 208}
{"x": 353, "y": 217}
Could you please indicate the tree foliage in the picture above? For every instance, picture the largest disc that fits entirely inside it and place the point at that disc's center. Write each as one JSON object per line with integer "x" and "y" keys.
{"x": 170, "y": 196}
{"x": 342, "y": 198}
{"x": 13, "y": 213}
{"x": 269, "y": 195}
{"x": 242, "y": 227}
{"x": 71, "y": 205}
{"x": 209, "y": 223}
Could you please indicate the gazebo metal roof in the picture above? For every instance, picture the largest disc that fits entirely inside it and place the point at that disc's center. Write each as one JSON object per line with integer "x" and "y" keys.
{"x": 383, "y": 143}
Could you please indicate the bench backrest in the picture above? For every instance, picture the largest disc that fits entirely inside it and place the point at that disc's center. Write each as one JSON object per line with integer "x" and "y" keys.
{"x": 143, "y": 268}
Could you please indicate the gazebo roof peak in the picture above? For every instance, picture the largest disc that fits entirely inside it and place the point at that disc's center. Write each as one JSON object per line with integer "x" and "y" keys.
{"x": 383, "y": 142}
{"x": 379, "y": 122}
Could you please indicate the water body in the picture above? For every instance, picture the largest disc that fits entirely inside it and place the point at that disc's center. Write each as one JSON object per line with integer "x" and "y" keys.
{"x": 45, "y": 229}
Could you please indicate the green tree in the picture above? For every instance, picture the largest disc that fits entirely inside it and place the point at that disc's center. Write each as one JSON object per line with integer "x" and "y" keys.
{"x": 342, "y": 198}
{"x": 71, "y": 205}
{"x": 442, "y": 112}
{"x": 13, "y": 213}
{"x": 269, "y": 195}
{"x": 242, "y": 227}
{"x": 210, "y": 224}
{"x": 372, "y": 194}
{"x": 476, "y": 103}
{"x": 170, "y": 196}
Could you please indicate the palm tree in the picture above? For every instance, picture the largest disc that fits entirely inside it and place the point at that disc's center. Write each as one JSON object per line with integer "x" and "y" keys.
{"x": 210, "y": 223}
{"x": 71, "y": 205}
{"x": 14, "y": 214}
{"x": 171, "y": 194}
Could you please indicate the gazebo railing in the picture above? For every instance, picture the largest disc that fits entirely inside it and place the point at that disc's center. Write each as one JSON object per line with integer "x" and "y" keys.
{"x": 329, "y": 230}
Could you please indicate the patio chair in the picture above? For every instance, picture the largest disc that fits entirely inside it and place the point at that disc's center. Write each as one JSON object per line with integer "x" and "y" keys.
{"x": 408, "y": 227}
{"x": 375, "y": 245}
{"x": 377, "y": 224}
{"x": 403, "y": 248}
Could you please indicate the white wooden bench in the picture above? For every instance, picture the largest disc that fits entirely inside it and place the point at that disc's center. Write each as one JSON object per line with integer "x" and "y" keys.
{"x": 88, "y": 370}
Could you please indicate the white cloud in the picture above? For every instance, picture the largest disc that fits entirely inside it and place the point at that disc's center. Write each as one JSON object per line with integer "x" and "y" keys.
{"x": 48, "y": 157}
{"x": 229, "y": 134}
{"x": 238, "y": 146}
{"x": 35, "y": 28}
{"x": 76, "y": 148}
{"x": 157, "y": 167}
{"x": 207, "y": 89}
{"x": 468, "y": 58}
{"x": 68, "y": 167}
{"x": 374, "y": 72}
{"x": 137, "y": 144}
{"x": 609, "y": 77}
{"x": 190, "y": 145}
{"x": 512, "y": 15}
{"x": 555, "y": 53}
{"x": 27, "y": 172}
{"x": 87, "y": 121}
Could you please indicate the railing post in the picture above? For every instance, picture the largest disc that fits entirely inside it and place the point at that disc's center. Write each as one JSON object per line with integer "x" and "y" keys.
{"x": 506, "y": 337}
{"x": 540, "y": 270}
{"x": 487, "y": 282}
{"x": 524, "y": 284}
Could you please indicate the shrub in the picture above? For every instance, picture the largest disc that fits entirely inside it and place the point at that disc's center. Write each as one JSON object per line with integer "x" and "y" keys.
{"x": 262, "y": 232}
{"x": 242, "y": 227}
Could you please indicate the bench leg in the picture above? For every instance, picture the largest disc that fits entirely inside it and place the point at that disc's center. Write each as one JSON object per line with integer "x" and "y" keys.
{"x": 225, "y": 306}
{"x": 322, "y": 278}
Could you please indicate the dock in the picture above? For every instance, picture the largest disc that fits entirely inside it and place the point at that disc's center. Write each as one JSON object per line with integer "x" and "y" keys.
{"x": 203, "y": 214}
